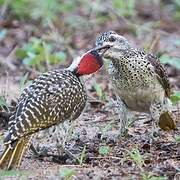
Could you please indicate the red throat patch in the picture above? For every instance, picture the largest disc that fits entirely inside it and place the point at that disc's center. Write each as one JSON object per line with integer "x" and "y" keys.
{"x": 88, "y": 64}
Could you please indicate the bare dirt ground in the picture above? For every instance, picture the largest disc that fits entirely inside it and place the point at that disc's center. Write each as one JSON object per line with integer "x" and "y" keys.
{"x": 92, "y": 131}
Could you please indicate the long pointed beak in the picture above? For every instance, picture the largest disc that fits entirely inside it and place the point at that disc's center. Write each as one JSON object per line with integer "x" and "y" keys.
{"x": 104, "y": 48}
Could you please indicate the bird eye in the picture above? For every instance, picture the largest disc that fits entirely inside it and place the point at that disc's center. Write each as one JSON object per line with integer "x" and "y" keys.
{"x": 112, "y": 39}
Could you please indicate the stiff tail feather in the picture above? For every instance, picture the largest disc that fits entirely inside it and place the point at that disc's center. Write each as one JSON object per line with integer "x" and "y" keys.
{"x": 11, "y": 157}
{"x": 167, "y": 121}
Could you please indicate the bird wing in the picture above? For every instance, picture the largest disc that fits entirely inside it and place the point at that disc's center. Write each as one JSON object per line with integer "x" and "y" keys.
{"x": 29, "y": 93}
{"x": 31, "y": 96}
{"x": 161, "y": 73}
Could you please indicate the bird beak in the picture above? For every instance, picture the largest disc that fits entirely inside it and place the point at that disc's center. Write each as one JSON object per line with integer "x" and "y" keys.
{"x": 102, "y": 49}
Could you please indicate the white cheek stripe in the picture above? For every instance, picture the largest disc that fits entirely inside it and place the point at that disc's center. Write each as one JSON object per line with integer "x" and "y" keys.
{"x": 76, "y": 62}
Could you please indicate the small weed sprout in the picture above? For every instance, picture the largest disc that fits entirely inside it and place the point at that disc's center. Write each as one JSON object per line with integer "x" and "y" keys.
{"x": 99, "y": 91}
{"x": 39, "y": 55}
{"x": 177, "y": 139}
{"x": 14, "y": 174}
{"x": 137, "y": 158}
{"x": 3, "y": 104}
{"x": 66, "y": 173}
{"x": 175, "y": 97}
{"x": 23, "y": 82}
{"x": 82, "y": 156}
{"x": 104, "y": 150}
{"x": 105, "y": 129}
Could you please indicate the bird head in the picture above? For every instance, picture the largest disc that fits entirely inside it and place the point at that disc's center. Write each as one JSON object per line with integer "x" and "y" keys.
{"x": 89, "y": 62}
{"x": 118, "y": 44}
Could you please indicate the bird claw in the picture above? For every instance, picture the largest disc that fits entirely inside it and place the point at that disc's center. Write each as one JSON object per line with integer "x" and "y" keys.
{"x": 115, "y": 136}
{"x": 38, "y": 153}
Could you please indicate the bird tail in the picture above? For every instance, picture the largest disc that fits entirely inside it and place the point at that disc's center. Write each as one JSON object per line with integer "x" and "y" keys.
{"x": 12, "y": 156}
{"x": 167, "y": 121}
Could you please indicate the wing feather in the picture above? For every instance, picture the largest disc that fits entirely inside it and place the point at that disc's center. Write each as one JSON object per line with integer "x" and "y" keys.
{"x": 161, "y": 73}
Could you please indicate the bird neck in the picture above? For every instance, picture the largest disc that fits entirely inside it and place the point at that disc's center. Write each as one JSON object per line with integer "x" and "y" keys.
{"x": 123, "y": 59}
{"x": 74, "y": 66}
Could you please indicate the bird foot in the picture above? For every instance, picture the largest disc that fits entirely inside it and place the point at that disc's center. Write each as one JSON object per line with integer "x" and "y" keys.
{"x": 66, "y": 151}
{"x": 153, "y": 135}
{"x": 115, "y": 136}
{"x": 38, "y": 153}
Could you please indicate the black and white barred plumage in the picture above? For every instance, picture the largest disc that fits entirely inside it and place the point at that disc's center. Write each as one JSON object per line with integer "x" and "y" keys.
{"x": 52, "y": 98}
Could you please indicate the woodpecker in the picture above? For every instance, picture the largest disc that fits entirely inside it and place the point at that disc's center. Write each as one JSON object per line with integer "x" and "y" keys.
{"x": 140, "y": 81}
{"x": 52, "y": 98}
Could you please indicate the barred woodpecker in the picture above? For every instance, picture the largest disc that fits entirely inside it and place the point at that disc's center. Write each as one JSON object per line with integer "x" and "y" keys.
{"x": 52, "y": 98}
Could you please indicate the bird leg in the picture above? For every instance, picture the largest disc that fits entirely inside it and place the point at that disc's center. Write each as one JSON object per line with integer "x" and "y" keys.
{"x": 61, "y": 146}
{"x": 36, "y": 153}
{"x": 122, "y": 115}
{"x": 155, "y": 111}
{"x": 59, "y": 134}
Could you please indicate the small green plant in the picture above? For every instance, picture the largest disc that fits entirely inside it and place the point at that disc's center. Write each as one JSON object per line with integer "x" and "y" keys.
{"x": 3, "y": 103}
{"x": 11, "y": 173}
{"x": 17, "y": 8}
{"x": 3, "y": 33}
{"x": 23, "y": 82}
{"x": 98, "y": 90}
{"x": 82, "y": 156}
{"x": 104, "y": 150}
{"x": 124, "y": 8}
{"x": 46, "y": 10}
{"x": 177, "y": 42}
{"x": 173, "y": 61}
{"x": 137, "y": 158}
{"x": 43, "y": 11}
{"x": 66, "y": 173}
{"x": 149, "y": 176}
{"x": 175, "y": 97}
{"x": 105, "y": 129}
{"x": 37, "y": 54}
{"x": 176, "y": 10}
{"x": 177, "y": 139}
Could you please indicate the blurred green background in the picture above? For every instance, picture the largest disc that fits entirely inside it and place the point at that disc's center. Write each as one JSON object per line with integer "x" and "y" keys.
{"x": 47, "y": 32}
